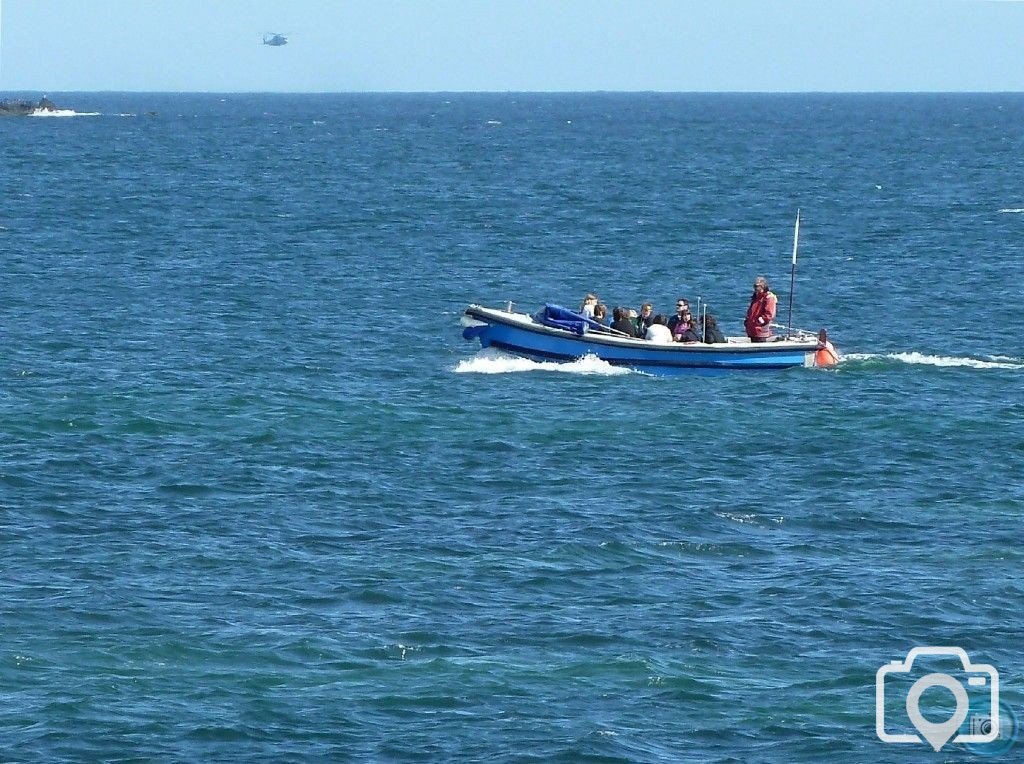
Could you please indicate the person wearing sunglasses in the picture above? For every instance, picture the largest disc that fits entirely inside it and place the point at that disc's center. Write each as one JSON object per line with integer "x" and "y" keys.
{"x": 681, "y": 319}
{"x": 761, "y": 313}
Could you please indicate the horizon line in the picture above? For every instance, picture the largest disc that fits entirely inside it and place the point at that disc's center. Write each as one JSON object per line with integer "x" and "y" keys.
{"x": 45, "y": 92}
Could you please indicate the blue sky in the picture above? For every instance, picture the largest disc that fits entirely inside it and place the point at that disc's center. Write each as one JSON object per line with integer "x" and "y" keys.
{"x": 520, "y": 45}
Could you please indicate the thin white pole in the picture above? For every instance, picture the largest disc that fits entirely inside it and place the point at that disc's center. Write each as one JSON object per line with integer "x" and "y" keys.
{"x": 792, "y": 273}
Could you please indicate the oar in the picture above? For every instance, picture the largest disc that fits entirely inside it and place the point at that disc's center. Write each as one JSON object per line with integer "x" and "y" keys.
{"x": 616, "y": 331}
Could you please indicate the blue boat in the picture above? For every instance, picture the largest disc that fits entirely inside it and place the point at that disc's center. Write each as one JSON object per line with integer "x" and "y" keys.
{"x": 557, "y": 334}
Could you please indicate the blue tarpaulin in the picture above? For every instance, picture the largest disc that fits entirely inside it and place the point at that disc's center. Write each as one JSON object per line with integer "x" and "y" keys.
{"x": 563, "y": 318}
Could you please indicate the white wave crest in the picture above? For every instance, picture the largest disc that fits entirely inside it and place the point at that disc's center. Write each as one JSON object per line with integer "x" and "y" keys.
{"x": 1012, "y": 209}
{"x": 491, "y": 361}
{"x": 63, "y": 113}
{"x": 742, "y": 518}
{"x": 992, "y": 362}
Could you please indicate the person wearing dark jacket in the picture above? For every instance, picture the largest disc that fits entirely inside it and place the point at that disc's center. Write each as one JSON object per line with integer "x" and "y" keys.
{"x": 712, "y": 334}
{"x": 622, "y": 322}
{"x": 644, "y": 320}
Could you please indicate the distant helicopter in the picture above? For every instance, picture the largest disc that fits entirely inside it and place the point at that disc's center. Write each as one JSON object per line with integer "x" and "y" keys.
{"x": 277, "y": 40}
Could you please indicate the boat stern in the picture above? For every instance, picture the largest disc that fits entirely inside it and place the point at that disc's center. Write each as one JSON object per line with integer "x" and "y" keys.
{"x": 473, "y": 327}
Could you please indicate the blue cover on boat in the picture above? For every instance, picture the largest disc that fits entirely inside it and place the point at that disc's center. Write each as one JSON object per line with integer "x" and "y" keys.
{"x": 563, "y": 318}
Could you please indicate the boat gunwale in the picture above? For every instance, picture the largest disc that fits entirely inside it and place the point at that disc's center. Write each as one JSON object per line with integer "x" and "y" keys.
{"x": 527, "y": 323}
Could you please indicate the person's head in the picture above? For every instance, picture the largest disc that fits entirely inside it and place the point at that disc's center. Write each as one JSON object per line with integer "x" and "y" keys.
{"x": 645, "y": 309}
{"x": 617, "y": 314}
{"x": 682, "y": 307}
{"x": 709, "y": 320}
{"x": 632, "y": 313}
{"x": 600, "y": 310}
{"x": 658, "y": 319}
{"x": 590, "y": 299}
{"x": 760, "y": 285}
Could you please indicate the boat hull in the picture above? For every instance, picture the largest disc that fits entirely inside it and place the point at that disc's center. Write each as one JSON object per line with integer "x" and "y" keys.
{"x": 518, "y": 334}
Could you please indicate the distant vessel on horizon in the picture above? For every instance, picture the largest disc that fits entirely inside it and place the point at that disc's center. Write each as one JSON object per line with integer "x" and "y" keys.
{"x": 21, "y": 108}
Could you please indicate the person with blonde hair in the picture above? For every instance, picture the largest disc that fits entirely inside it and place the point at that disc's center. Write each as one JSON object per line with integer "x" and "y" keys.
{"x": 589, "y": 303}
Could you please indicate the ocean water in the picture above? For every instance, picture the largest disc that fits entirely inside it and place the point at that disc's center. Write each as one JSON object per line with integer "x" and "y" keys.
{"x": 260, "y": 501}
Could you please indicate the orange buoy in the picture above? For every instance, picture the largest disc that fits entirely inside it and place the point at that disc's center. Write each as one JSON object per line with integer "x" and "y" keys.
{"x": 826, "y": 354}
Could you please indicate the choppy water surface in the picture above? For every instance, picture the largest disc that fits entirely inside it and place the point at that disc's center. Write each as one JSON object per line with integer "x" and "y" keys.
{"x": 259, "y": 500}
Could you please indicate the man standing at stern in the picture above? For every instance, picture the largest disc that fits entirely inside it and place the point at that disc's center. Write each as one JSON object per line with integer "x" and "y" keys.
{"x": 761, "y": 312}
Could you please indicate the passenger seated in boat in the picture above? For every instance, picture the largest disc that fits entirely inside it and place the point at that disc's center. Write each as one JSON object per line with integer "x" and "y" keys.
{"x": 589, "y": 303}
{"x": 658, "y": 331}
{"x": 686, "y": 332}
{"x": 622, "y": 323}
{"x": 645, "y": 319}
{"x": 682, "y": 315}
{"x": 601, "y": 314}
{"x": 712, "y": 334}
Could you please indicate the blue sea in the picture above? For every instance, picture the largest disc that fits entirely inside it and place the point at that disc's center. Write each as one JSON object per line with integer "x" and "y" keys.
{"x": 260, "y": 501}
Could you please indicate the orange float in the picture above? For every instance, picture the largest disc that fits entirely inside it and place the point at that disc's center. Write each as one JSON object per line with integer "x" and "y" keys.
{"x": 826, "y": 354}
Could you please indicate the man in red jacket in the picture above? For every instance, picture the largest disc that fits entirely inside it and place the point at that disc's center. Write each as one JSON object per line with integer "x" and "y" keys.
{"x": 761, "y": 312}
